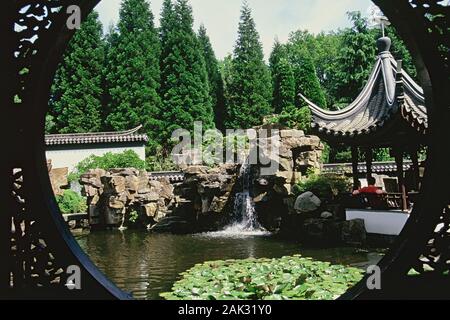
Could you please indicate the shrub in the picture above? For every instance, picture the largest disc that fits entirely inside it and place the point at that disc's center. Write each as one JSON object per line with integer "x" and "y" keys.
{"x": 71, "y": 202}
{"x": 325, "y": 186}
{"x": 295, "y": 278}
{"x": 126, "y": 159}
{"x": 294, "y": 118}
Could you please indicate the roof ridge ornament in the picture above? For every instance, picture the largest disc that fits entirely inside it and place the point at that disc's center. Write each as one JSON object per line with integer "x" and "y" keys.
{"x": 377, "y": 17}
{"x": 399, "y": 87}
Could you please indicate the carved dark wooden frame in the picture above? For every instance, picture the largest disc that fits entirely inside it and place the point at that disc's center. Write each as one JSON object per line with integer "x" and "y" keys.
{"x": 26, "y": 196}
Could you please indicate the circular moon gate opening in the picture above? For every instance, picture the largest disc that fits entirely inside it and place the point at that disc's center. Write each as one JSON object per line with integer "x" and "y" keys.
{"x": 40, "y": 249}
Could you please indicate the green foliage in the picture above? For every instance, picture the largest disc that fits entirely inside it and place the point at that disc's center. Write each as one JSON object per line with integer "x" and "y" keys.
{"x": 287, "y": 278}
{"x": 134, "y": 216}
{"x": 293, "y": 72}
{"x": 184, "y": 78}
{"x": 216, "y": 86}
{"x": 324, "y": 49}
{"x": 133, "y": 73}
{"x": 160, "y": 161}
{"x": 355, "y": 59}
{"x": 71, "y": 202}
{"x": 325, "y": 186}
{"x": 126, "y": 159}
{"x": 283, "y": 82}
{"x": 399, "y": 51}
{"x": 249, "y": 86}
{"x": 382, "y": 154}
{"x": 326, "y": 153}
{"x": 225, "y": 68}
{"x": 306, "y": 80}
{"x": 284, "y": 86}
{"x": 77, "y": 91}
{"x": 294, "y": 118}
{"x": 50, "y": 124}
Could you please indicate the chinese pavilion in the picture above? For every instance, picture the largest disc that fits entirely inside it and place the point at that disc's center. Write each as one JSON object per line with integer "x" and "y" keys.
{"x": 389, "y": 112}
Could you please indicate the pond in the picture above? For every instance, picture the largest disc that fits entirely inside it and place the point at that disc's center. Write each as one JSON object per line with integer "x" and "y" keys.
{"x": 146, "y": 264}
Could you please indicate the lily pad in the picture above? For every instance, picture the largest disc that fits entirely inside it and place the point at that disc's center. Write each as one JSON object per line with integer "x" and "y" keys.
{"x": 294, "y": 277}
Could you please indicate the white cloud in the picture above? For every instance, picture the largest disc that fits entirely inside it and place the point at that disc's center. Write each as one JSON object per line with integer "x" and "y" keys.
{"x": 273, "y": 17}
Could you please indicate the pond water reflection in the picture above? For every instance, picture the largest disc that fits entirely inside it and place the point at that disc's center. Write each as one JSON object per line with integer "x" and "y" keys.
{"x": 147, "y": 264}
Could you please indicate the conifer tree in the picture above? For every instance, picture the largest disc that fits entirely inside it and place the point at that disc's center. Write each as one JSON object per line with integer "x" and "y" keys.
{"x": 250, "y": 85}
{"x": 283, "y": 81}
{"x": 306, "y": 80}
{"x": 225, "y": 67}
{"x": 216, "y": 90}
{"x": 184, "y": 80}
{"x": 355, "y": 60}
{"x": 76, "y": 94}
{"x": 133, "y": 73}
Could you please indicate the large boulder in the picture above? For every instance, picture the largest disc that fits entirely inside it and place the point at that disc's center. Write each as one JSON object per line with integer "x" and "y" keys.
{"x": 218, "y": 204}
{"x": 59, "y": 180}
{"x": 307, "y": 202}
{"x": 321, "y": 232}
{"x": 354, "y": 232}
{"x": 291, "y": 134}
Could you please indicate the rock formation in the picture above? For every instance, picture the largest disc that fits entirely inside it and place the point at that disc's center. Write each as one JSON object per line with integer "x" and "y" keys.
{"x": 205, "y": 196}
{"x": 297, "y": 155}
{"x": 125, "y": 196}
{"x": 129, "y": 197}
{"x": 58, "y": 178}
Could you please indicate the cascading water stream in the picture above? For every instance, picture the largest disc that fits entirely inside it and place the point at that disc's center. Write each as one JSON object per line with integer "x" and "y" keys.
{"x": 245, "y": 218}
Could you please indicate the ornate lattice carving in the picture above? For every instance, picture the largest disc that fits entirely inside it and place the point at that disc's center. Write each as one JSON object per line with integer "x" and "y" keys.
{"x": 33, "y": 20}
{"x": 33, "y": 263}
{"x": 436, "y": 256}
{"x": 41, "y": 247}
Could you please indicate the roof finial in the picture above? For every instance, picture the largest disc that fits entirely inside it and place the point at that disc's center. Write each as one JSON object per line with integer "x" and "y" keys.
{"x": 377, "y": 18}
{"x": 384, "y": 44}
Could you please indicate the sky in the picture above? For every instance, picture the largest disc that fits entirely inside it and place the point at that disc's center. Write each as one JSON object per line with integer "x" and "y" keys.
{"x": 273, "y": 18}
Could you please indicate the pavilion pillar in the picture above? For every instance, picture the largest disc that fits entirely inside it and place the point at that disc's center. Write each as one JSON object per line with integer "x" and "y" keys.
{"x": 369, "y": 159}
{"x": 415, "y": 168}
{"x": 355, "y": 168}
{"x": 401, "y": 178}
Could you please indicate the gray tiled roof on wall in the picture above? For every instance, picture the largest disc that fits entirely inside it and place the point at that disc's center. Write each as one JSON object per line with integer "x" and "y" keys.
{"x": 96, "y": 138}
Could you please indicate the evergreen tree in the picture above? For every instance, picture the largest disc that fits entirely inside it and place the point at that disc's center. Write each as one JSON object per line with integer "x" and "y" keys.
{"x": 133, "y": 73}
{"x": 283, "y": 81}
{"x": 357, "y": 55}
{"x": 184, "y": 79}
{"x": 355, "y": 60}
{"x": 306, "y": 81}
{"x": 76, "y": 95}
{"x": 250, "y": 86}
{"x": 215, "y": 78}
{"x": 225, "y": 68}
{"x": 323, "y": 49}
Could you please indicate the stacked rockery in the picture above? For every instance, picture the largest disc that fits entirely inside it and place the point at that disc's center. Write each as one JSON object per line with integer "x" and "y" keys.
{"x": 118, "y": 198}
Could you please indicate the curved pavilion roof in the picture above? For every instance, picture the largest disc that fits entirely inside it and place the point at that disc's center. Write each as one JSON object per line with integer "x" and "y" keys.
{"x": 390, "y": 105}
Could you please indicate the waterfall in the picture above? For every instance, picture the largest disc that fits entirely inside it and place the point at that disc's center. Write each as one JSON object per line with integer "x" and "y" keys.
{"x": 244, "y": 208}
{"x": 245, "y": 218}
